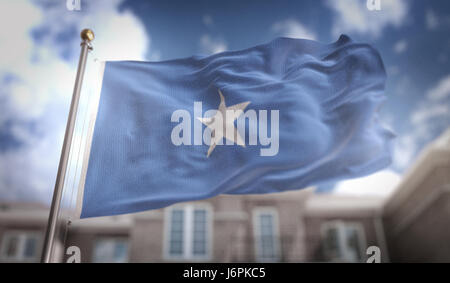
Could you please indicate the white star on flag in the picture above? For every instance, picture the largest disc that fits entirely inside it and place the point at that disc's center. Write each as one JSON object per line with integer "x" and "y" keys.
{"x": 223, "y": 120}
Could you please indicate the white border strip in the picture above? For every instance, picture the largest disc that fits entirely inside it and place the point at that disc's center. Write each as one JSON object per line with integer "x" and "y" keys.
{"x": 97, "y": 87}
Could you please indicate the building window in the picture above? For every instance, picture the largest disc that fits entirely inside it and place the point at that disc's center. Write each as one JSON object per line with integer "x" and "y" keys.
{"x": 20, "y": 246}
{"x": 189, "y": 232}
{"x": 113, "y": 250}
{"x": 176, "y": 232}
{"x": 266, "y": 233}
{"x": 199, "y": 233}
{"x": 343, "y": 241}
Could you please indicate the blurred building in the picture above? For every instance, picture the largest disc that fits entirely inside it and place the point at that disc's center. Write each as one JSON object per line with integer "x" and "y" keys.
{"x": 300, "y": 226}
{"x": 417, "y": 216}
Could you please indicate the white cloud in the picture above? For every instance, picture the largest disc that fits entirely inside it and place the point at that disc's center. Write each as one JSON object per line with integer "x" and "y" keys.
{"x": 294, "y": 29}
{"x": 431, "y": 115}
{"x": 431, "y": 20}
{"x": 211, "y": 45}
{"x": 404, "y": 149}
{"x": 441, "y": 90}
{"x": 27, "y": 173}
{"x": 119, "y": 35}
{"x": 352, "y": 16}
{"x": 43, "y": 73}
{"x": 435, "y": 21}
{"x": 208, "y": 20}
{"x": 15, "y": 41}
{"x": 435, "y": 106}
{"x": 427, "y": 112}
{"x": 380, "y": 184}
{"x": 400, "y": 46}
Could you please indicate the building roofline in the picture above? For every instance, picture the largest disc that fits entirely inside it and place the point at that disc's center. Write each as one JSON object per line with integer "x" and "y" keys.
{"x": 436, "y": 154}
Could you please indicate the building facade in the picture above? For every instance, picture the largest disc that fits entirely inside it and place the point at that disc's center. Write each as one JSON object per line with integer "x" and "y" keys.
{"x": 298, "y": 226}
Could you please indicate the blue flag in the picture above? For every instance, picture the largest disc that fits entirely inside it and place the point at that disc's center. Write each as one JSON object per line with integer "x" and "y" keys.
{"x": 280, "y": 116}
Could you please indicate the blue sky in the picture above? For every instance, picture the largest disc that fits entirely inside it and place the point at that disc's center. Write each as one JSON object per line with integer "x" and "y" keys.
{"x": 40, "y": 50}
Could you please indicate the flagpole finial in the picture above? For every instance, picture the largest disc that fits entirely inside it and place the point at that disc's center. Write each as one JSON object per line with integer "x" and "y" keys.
{"x": 87, "y": 35}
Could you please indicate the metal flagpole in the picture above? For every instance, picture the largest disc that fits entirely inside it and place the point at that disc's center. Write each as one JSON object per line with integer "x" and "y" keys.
{"x": 87, "y": 36}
